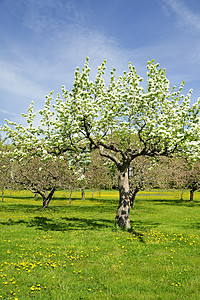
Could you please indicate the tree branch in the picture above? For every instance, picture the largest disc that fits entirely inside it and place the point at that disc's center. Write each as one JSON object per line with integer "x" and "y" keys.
{"x": 110, "y": 156}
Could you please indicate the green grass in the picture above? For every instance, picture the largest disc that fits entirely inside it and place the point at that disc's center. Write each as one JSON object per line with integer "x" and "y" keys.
{"x": 75, "y": 252}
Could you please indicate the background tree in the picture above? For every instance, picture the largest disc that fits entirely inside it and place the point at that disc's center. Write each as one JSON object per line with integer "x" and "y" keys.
{"x": 98, "y": 174}
{"x": 41, "y": 177}
{"x": 185, "y": 175}
{"x": 193, "y": 179}
{"x": 178, "y": 173}
{"x": 6, "y": 169}
{"x": 144, "y": 174}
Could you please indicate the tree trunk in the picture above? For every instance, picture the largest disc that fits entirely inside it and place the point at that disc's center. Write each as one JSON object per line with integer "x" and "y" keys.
{"x": 122, "y": 217}
{"x": 70, "y": 197}
{"x": 182, "y": 194}
{"x": 192, "y": 195}
{"x": 2, "y": 195}
{"x": 133, "y": 193}
{"x": 83, "y": 193}
{"x": 47, "y": 199}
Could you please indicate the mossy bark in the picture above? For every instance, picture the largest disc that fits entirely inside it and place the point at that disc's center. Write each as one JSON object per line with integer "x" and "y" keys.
{"x": 122, "y": 216}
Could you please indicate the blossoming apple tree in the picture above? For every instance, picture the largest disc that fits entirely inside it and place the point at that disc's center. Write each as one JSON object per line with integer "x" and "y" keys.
{"x": 154, "y": 120}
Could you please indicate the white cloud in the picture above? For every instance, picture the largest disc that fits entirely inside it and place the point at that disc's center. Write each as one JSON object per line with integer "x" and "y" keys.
{"x": 13, "y": 80}
{"x": 28, "y": 73}
{"x": 6, "y": 112}
{"x": 61, "y": 41}
{"x": 186, "y": 17}
{"x": 47, "y": 16}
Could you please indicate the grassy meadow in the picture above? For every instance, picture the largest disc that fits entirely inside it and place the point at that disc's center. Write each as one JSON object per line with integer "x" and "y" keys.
{"x": 75, "y": 252}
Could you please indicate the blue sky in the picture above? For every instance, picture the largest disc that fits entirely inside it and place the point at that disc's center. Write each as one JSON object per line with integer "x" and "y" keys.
{"x": 43, "y": 41}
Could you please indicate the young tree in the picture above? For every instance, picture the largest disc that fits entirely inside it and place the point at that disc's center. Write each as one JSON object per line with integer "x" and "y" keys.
{"x": 155, "y": 121}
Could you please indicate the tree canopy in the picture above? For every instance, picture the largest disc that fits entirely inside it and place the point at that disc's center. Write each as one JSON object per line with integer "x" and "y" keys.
{"x": 154, "y": 120}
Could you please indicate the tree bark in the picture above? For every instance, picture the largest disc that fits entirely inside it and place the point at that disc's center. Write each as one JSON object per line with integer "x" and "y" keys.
{"x": 133, "y": 193}
{"x": 70, "y": 197}
{"x": 83, "y": 193}
{"x": 182, "y": 194}
{"x": 2, "y": 195}
{"x": 192, "y": 195}
{"x": 47, "y": 199}
{"x": 122, "y": 217}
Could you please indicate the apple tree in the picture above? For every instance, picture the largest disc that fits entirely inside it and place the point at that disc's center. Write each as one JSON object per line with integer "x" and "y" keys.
{"x": 150, "y": 120}
{"x": 153, "y": 120}
{"x": 41, "y": 177}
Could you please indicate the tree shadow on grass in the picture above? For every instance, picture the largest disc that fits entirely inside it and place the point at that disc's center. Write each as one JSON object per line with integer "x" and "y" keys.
{"x": 10, "y": 222}
{"x": 37, "y": 207}
{"x": 74, "y": 224}
{"x": 138, "y": 234}
{"x": 66, "y": 199}
{"x": 67, "y": 224}
{"x": 196, "y": 226}
{"x": 144, "y": 225}
{"x": 106, "y": 201}
{"x": 175, "y": 202}
{"x": 19, "y": 197}
{"x": 20, "y": 207}
{"x": 191, "y": 225}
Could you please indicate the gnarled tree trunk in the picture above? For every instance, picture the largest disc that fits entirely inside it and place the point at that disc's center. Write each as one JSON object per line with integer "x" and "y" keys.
{"x": 122, "y": 217}
{"x": 47, "y": 199}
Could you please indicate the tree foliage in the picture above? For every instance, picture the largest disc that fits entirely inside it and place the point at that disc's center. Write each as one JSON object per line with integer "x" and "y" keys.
{"x": 154, "y": 120}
